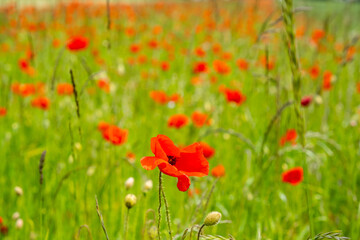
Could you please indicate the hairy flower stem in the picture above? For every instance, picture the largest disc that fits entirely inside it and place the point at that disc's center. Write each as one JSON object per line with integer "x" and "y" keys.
{"x": 287, "y": 9}
{"x": 199, "y": 233}
{"x": 126, "y": 223}
{"x": 168, "y": 219}
{"x": 159, "y": 208}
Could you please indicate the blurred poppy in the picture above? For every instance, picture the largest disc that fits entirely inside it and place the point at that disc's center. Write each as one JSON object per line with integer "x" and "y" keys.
{"x": 159, "y": 96}
{"x": 134, "y": 48}
{"x": 290, "y": 136}
{"x": 327, "y": 80}
{"x": 200, "y": 67}
{"x": 77, "y": 43}
{"x": 115, "y": 135}
{"x": 293, "y": 176}
{"x": 218, "y": 171}
{"x": 305, "y": 101}
{"x": 200, "y": 52}
{"x": 103, "y": 85}
{"x": 174, "y": 162}
{"x": 233, "y": 95}
{"x": 103, "y": 126}
{"x": 41, "y": 102}
{"x": 314, "y": 71}
{"x": 242, "y": 64}
{"x": 207, "y": 150}
{"x": 200, "y": 119}
{"x": 65, "y": 89}
{"x": 3, "y": 111}
{"x": 193, "y": 192}
{"x": 178, "y": 121}
{"x": 221, "y": 67}
{"x": 165, "y": 66}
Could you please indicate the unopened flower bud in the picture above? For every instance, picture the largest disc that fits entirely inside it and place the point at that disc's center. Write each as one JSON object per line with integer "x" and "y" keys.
{"x": 129, "y": 183}
{"x": 130, "y": 200}
{"x": 148, "y": 185}
{"x": 16, "y": 215}
{"x": 153, "y": 232}
{"x": 19, "y": 223}
{"x": 212, "y": 218}
{"x": 18, "y": 191}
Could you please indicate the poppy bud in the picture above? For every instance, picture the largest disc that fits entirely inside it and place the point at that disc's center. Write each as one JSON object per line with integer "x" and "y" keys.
{"x": 305, "y": 101}
{"x": 130, "y": 200}
{"x": 4, "y": 230}
{"x": 18, "y": 191}
{"x": 129, "y": 183}
{"x": 16, "y": 215}
{"x": 148, "y": 185}
{"x": 19, "y": 223}
{"x": 212, "y": 218}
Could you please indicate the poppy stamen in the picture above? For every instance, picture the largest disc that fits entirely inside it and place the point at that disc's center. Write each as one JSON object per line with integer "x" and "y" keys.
{"x": 172, "y": 160}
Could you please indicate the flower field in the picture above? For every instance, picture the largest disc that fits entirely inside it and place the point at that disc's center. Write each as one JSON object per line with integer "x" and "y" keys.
{"x": 180, "y": 120}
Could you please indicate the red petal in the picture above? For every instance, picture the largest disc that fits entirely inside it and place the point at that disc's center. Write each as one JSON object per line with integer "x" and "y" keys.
{"x": 183, "y": 183}
{"x": 168, "y": 146}
{"x": 150, "y": 163}
{"x": 168, "y": 169}
{"x": 157, "y": 149}
{"x": 192, "y": 161}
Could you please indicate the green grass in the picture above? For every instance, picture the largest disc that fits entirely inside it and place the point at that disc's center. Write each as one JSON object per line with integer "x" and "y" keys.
{"x": 252, "y": 196}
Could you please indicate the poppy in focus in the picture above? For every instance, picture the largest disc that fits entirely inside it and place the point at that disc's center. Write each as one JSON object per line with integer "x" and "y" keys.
{"x": 174, "y": 162}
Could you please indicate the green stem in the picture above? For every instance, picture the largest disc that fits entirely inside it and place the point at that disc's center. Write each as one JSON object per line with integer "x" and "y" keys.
{"x": 159, "y": 208}
{"x": 168, "y": 219}
{"x": 199, "y": 233}
{"x": 126, "y": 222}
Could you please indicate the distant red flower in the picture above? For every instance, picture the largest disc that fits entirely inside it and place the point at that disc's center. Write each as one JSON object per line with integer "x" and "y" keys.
{"x": 178, "y": 121}
{"x": 134, "y": 48}
{"x": 115, "y": 135}
{"x": 174, "y": 97}
{"x": 293, "y": 176}
{"x": 199, "y": 52}
{"x": 317, "y": 35}
{"x": 358, "y": 87}
{"x": 233, "y": 95}
{"x": 242, "y": 64}
{"x": 159, "y": 96}
{"x": 207, "y": 150}
{"x": 268, "y": 64}
{"x": 41, "y": 102}
{"x": 221, "y": 67}
{"x": 314, "y": 71}
{"x": 3, "y": 111}
{"x": 153, "y": 44}
{"x": 165, "y": 66}
{"x": 65, "y": 89}
{"x": 174, "y": 162}
{"x": 305, "y": 101}
{"x": 1, "y": 221}
{"x": 290, "y": 136}
{"x": 218, "y": 171}
{"x": 200, "y": 119}
{"x": 77, "y": 43}
{"x": 200, "y": 67}
{"x": 193, "y": 192}
{"x": 4, "y": 230}
{"x": 104, "y": 85}
{"x": 327, "y": 80}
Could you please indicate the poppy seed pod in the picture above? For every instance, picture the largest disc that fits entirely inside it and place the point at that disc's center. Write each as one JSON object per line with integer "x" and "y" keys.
{"x": 129, "y": 183}
{"x": 130, "y": 200}
{"x": 212, "y": 218}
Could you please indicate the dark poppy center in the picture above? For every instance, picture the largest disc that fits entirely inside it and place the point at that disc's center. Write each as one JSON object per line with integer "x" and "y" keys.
{"x": 172, "y": 160}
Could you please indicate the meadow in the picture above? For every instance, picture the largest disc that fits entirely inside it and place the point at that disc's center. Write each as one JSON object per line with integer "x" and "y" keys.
{"x": 180, "y": 120}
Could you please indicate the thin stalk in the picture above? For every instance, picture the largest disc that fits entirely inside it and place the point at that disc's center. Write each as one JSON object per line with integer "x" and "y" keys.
{"x": 159, "y": 208}
{"x": 101, "y": 218}
{"x": 168, "y": 219}
{"x": 287, "y": 9}
{"x": 126, "y": 222}
{"x": 199, "y": 233}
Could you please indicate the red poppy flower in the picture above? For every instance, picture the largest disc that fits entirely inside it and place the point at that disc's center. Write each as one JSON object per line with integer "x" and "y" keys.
{"x": 268, "y": 64}
{"x": 242, "y": 64}
{"x": 221, "y": 67}
{"x": 317, "y": 35}
{"x": 178, "y": 121}
{"x": 174, "y": 162}
{"x": 4, "y": 230}
{"x": 159, "y": 96}
{"x": 77, "y": 43}
{"x": 175, "y": 97}
{"x": 134, "y": 48}
{"x": 327, "y": 79}
{"x": 102, "y": 126}
{"x": 235, "y": 96}
{"x": 65, "y": 89}
{"x": 115, "y": 135}
{"x": 305, "y": 101}
{"x": 193, "y": 192}
{"x": 314, "y": 71}
{"x": 153, "y": 44}
{"x": 207, "y": 150}
{"x": 3, "y": 111}
{"x": 290, "y": 137}
{"x": 293, "y": 176}
{"x": 41, "y": 102}
{"x": 218, "y": 171}
{"x": 200, "y": 67}
{"x": 200, "y": 52}
{"x": 1, "y": 221}
{"x": 200, "y": 119}
{"x": 165, "y": 66}
{"x": 103, "y": 85}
